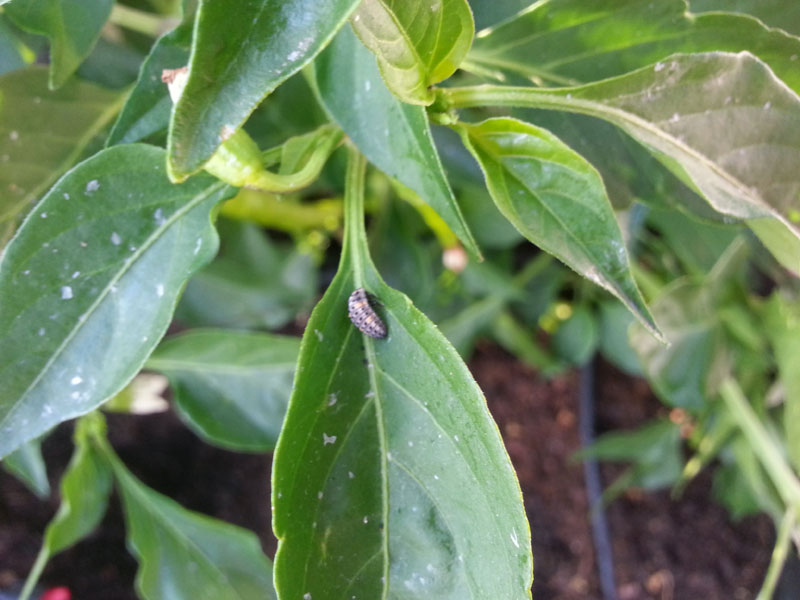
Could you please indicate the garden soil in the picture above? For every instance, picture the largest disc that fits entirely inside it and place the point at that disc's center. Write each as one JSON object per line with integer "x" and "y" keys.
{"x": 663, "y": 549}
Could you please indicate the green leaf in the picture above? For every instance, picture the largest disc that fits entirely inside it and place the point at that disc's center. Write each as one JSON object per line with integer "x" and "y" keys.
{"x": 394, "y": 136}
{"x": 679, "y": 372}
{"x": 85, "y": 489}
{"x": 183, "y": 554}
{"x": 576, "y": 41}
{"x": 557, "y": 200}
{"x": 238, "y": 57}
{"x": 90, "y": 282}
{"x": 255, "y": 282}
{"x": 782, "y": 320}
{"x": 723, "y": 123}
{"x": 27, "y": 465}
{"x": 73, "y": 27}
{"x": 775, "y": 13}
{"x": 390, "y": 479}
{"x": 148, "y": 107}
{"x": 13, "y": 52}
{"x": 417, "y": 43}
{"x": 489, "y": 12}
{"x": 230, "y": 387}
{"x": 42, "y": 134}
{"x": 615, "y": 323}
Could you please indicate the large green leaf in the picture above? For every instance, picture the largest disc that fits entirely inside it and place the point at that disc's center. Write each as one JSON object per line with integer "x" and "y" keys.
{"x": 85, "y": 489}
{"x": 557, "y": 200}
{"x": 90, "y": 282}
{"x": 394, "y": 136}
{"x": 417, "y": 43}
{"x": 390, "y": 479}
{"x": 576, "y": 41}
{"x": 42, "y": 134}
{"x": 187, "y": 555}
{"x": 148, "y": 107}
{"x": 775, "y": 13}
{"x": 27, "y": 465}
{"x": 73, "y": 27}
{"x": 238, "y": 57}
{"x": 723, "y": 123}
{"x": 231, "y": 387}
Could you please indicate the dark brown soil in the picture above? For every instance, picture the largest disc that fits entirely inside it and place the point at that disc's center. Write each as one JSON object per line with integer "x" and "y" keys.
{"x": 663, "y": 550}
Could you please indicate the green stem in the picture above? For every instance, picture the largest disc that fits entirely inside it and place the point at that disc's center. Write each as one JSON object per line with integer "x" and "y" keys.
{"x": 355, "y": 235}
{"x": 140, "y": 21}
{"x": 779, "y": 554}
{"x": 35, "y": 574}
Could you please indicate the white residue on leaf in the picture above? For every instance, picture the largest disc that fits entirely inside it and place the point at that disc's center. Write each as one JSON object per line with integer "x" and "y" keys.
{"x": 306, "y": 596}
{"x": 115, "y": 238}
{"x": 76, "y": 380}
{"x": 674, "y": 118}
{"x": 92, "y": 186}
{"x": 198, "y": 245}
{"x": 320, "y": 495}
{"x": 26, "y": 272}
{"x": 366, "y": 520}
{"x": 367, "y": 85}
{"x": 76, "y": 274}
{"x": 410, "y": 444}
{"x": 370, "y": 394}
{"x": 158, "y": 216}
{"x": 43, "y": 215}
{"x": 328, "y": 439}
{"x": 436, "y": 477}
{"x": 66, "y": 292}
{"x": 160, "y": 290}
{"x": 319, "y": 335}
{"x": 659, "y": 66}
{"x": 351, "y": 475}
{"x": 514, "y": 538}
{"x": 767, "y": 105}
{"x": 13, "y": 136}
{"x": 41, "y": 331}
{"x": 332, "y": 399}
{"x": 455, "y": 437}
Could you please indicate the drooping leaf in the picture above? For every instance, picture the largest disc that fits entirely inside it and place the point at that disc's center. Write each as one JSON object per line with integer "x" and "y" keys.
{"x": 85, "y": 489}
{"x": 255, "y": 282}
{"x": 72, "y": 26}
{"x": 390, "y": 479}
{"x": 775, "y": 13}
{"x": 97, "y": 265}
{"x": 557, "y": 200}
{"x": 230, "y": 387}
{"x": 238, "y": 57}
{"x": 416, "y": 43}
{"x": 27, "y": 465}
{"x": 184, "y": 554}
{"x": 42, "y": 134}
{"x": 577, "y": 41}
{"x": 782, "y": 320}
{"x": 723, "y": 123}
{"x": 394, "y": 136}
{"x": 148, "y": 107}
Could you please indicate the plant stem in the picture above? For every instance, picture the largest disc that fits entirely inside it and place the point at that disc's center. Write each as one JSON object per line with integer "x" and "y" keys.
{"x": 36, "y": 573}
{"x": 140, "y": 21}
{"x": 779, "y": 554}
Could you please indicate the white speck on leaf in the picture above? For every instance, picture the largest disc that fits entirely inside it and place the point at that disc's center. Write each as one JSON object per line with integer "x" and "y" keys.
{"x": 436, "y": 477}
{"x": 366, "y": 520}
{"x": 43, "y": 215}
{"x": 158, "y": 216}
{"x": 351, "y": 475}
{"x": 13, "y": 136}
{"x": 115, "y": 238}
{"x": 76, "y": 380}
{"x": 328, "y": 439}
{"x": 306, "y": 596}
{"x": 331, "y": 399}
{"x": 76, "y": 274}
{"x": 410, "y": 444}
{"x": 319, "y": 495}
{"x": 320, "y": 337}
{"x": 514, "y": 539}
{"x": 41, "y": 331}
{"x": 66, "y": 196}
{"x": 198, "y": 245}
{"x": 674, "y": 118}
{"x": 66, "y": 293}
{"x": 767, "y": 105}
{"x": 455, "y": 437}
{"x": 160, "y": 290}
{"x": 367, "y": 85}
{"x": 658, "y": 67}
{"x": 92, "y": 186}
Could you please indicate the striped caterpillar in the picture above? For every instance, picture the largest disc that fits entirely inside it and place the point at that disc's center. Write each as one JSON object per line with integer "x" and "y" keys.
{"x": 363, "y": 315}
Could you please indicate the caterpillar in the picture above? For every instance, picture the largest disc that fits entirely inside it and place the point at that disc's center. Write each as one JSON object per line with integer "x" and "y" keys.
{"x": 363, "y": 315}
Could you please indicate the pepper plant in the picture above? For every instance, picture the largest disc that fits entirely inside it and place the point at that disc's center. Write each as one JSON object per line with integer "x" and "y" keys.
{"x": 390, "y": 479}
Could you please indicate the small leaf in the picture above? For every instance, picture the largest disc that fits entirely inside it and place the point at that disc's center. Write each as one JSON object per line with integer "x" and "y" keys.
{"x": 42, "y": 134}
{"x": 73, "y": 27}
{"x": 183, "y": 554}
{"x": 230, "y": 387}
{"x": 394, "y": 136}
{"x": 557, "y": 200}
{"x": 576, "y": 339}
{"x": 577, "y": 41}
{"x": 390, "y": 479}
{"x": 417, "y": 43}
{"x": 85, "y": 489}
{"x": 27, "y": 465}
{"x": 90, "y": 282}
{"x": 148, "y": 107}
{"x": 238, "y": 57}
